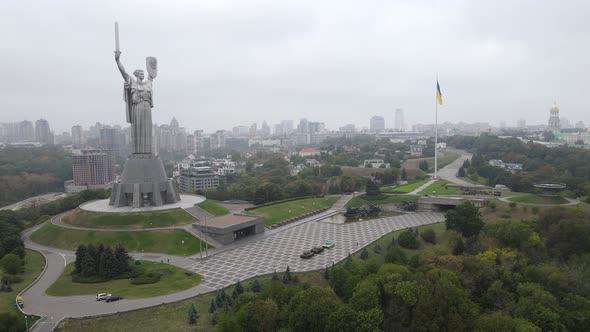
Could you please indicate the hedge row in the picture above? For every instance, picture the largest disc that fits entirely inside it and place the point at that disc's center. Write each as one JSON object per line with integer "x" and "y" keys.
{"x": 280, "y": 201}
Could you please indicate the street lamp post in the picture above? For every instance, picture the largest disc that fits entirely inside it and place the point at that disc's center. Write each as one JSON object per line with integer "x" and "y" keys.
{"x": 26, "y": 323}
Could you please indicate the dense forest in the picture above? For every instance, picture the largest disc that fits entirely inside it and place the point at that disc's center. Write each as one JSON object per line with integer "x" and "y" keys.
{"x": 564, "y": 164}
{"x": 509, "y": 275}
{"x": 27, "y": 172}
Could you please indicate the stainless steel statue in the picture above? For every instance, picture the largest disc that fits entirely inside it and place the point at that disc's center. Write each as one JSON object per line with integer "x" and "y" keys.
{"x": 143, "y": 181}
{"x": 138, "y": 97}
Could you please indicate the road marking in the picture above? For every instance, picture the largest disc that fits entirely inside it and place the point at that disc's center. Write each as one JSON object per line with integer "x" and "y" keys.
{"x": 65, "y": 260}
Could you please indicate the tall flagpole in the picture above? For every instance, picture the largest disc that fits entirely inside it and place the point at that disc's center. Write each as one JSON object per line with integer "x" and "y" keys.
{"x": 436, "y": 132}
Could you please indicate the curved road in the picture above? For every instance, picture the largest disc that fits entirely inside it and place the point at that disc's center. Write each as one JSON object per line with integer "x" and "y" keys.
{"x": 243, "y": 260}
{"x": 449, "y": 172}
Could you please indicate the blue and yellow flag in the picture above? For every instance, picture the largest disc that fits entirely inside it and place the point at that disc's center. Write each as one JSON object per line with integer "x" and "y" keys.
{"x": 438, "y": 93}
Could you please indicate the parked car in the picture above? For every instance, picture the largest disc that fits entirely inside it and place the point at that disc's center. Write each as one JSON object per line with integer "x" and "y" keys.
{"x": 317, "y": 250}
{"x": 102, "y": 296}
{"x": 328, "y": 244}
{"x": 113, "y": 298}
{"x": 306, "y": 254}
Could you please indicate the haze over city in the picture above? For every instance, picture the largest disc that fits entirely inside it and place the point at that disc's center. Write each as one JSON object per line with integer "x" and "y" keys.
{"x": 234, "y": 63}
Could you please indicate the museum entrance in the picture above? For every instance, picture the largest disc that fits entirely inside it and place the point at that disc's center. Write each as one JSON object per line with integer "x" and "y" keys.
{"x": 244, "y": 232}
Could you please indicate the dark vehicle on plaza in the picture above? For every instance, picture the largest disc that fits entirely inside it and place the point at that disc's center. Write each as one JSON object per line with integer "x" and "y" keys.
{"x": 306, "y": 254}
{"x": 317, "y": 250}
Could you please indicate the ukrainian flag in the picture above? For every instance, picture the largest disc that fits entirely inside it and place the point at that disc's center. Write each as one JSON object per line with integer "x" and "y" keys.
{"x": 438, "y": 94}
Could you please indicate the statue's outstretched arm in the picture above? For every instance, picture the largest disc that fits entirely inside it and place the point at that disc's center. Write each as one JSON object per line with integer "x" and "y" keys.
{"x": 120, "y": 65}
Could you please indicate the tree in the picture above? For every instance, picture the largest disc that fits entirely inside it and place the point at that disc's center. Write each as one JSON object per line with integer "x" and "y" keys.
{"x": 404, "y": 175}
{"x": 499, "y": 322}
{"x": 107, "y": 266}
{"x": 89, "y": 262}
{"x": 192, "y": 314}
{"x": 9, "y": 243}
{"x": 255, "y": 286}
{"x": 407, "y": 239}
{"x": 11, "y": 264}
{"x": 238, "y": 289}
{"x": 372, "y": 188}
{"x": 80, "y": 254}
{"x": 212, "y": 306}
{"x": 461, "y": 172}
{"x": 428, "y": 235}
{"x": 423, "y": 165}
{"x": 121, "y": 264}
{"x": 287, "y": 275}
{"x": 464, "y": 218}
{"x": 364, "y": 254}
{"x": 261, "y": 315}
{"x": 310, "y": 309}
{"x": 442, "y": 304}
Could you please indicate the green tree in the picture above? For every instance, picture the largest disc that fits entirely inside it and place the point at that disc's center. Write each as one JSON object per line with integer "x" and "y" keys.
{"x": 499, "y": 322}
{"x": 404, "y": 175}
{"x": 464, "y": 218}
{"x": 407, "y": 239}
{"x": 80, "y": 254}
{"x": 428, "y": 235}
{"x": 372, "y": 188}
{"x": 11, "y": 264}
{"x": 442, "y": 305}
{"x": 192, "y": 314}
{"x": 310, "y": 309}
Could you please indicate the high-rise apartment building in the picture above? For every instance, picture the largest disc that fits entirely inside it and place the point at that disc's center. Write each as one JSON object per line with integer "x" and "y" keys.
{"x": 42, "y": 132}
{"x": 377, "y": 124}
{"x": 400, "y": 121}
{"x": 92, "y": 168}
{"x": 77, "y": 139}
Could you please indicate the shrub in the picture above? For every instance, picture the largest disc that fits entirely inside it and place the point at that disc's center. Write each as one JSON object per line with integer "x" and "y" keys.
{"x": 148, "y": 278}
{"x": 407, "y": 239}
{"x": 429, "y": 235}
{"x": 512, "y": 204}
{"x": 11, "y": 279}
{"x": 492, "y": 205}
{"x": 535, "y": 209}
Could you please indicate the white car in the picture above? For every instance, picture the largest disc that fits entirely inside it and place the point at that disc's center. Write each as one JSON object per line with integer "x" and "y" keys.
{"x": 102, "y": 296}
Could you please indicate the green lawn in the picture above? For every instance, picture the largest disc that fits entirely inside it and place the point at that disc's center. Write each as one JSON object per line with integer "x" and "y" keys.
{"x": 172, "y": 316}
{"x": 538, "y": 199}
{"x": 162, "y": 241}
{"x": 385, "y": 199}
{"x": 406, "y": 188}
{"x": 173, "y": 280}
{"x": 128, "y": 220}
{"x": 34, "y": 264}
{"x": 438, "y": 188}
{"x": 282, "y": 211}
{"x": 213, "y": 208}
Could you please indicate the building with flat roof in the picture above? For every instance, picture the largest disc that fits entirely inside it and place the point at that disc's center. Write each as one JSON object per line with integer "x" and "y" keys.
{"x": 377, "y": 124}
{"x": 229, "y": 228}
{"x": 197, "y": 178}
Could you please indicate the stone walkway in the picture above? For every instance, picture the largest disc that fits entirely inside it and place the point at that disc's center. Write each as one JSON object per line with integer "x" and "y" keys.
{"x": 274, "y": 253}
{"x": 339, "y": 205}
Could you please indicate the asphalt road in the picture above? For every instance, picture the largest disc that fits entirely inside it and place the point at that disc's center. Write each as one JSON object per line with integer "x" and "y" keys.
{"x": 449, "y": 172}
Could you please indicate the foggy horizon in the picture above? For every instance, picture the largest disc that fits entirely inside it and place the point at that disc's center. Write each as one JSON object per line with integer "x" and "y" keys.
{"x": 231, "y": 63}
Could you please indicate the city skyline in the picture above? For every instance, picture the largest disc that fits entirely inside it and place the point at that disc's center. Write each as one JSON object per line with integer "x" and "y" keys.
{"x": 270, "y": 61}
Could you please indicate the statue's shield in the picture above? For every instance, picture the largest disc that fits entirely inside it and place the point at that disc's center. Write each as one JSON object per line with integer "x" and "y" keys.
{"x": 152, "y": 66}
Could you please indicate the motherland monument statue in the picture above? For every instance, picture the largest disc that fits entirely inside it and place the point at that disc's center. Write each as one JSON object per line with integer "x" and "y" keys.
{"x": 143, "y": 181}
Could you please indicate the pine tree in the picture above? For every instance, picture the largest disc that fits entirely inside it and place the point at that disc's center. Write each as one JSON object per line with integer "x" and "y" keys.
{"x": 80, "y": 253}
{"x": 287, "y": 275}
{"x": 238, "y": 287}
{"x": 364, "y": 254}
{"x": 275, "y": 276}
{"x": 348, "y": 260}
{"x": 107, "y": 264}
{"x": 214, "y": 318}
{"x": 327, "y": 273}
{"x": 192, "y": 314}
{"x": 212, "y": 306}
{"x": 404, "y": 175}
{"x": 97, "y": 257}
{"x": 255, "y": 286}
{"x": 121, "y": 263}
{"x": 377, "y": 249}
{"x": 219, "y": 299}
{"x": 89, "y": 262}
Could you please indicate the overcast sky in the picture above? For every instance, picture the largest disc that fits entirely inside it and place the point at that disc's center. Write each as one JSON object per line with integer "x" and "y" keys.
{"x": 227, "y": 63}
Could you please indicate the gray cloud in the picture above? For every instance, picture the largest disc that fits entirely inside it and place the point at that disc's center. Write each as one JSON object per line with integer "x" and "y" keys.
{"x": 224, "y": 63}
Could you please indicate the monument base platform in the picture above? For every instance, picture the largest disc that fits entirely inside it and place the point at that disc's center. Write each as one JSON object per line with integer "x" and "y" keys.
{"x": 143, "y": 183}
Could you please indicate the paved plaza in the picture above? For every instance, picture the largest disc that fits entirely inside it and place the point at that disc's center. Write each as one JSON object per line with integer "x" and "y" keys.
{"x": 275, "y": 252}
{"x": 102, "y": 205}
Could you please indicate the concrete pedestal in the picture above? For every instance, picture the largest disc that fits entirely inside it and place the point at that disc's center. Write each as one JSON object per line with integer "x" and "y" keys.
{"x": 143, "y": 183}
